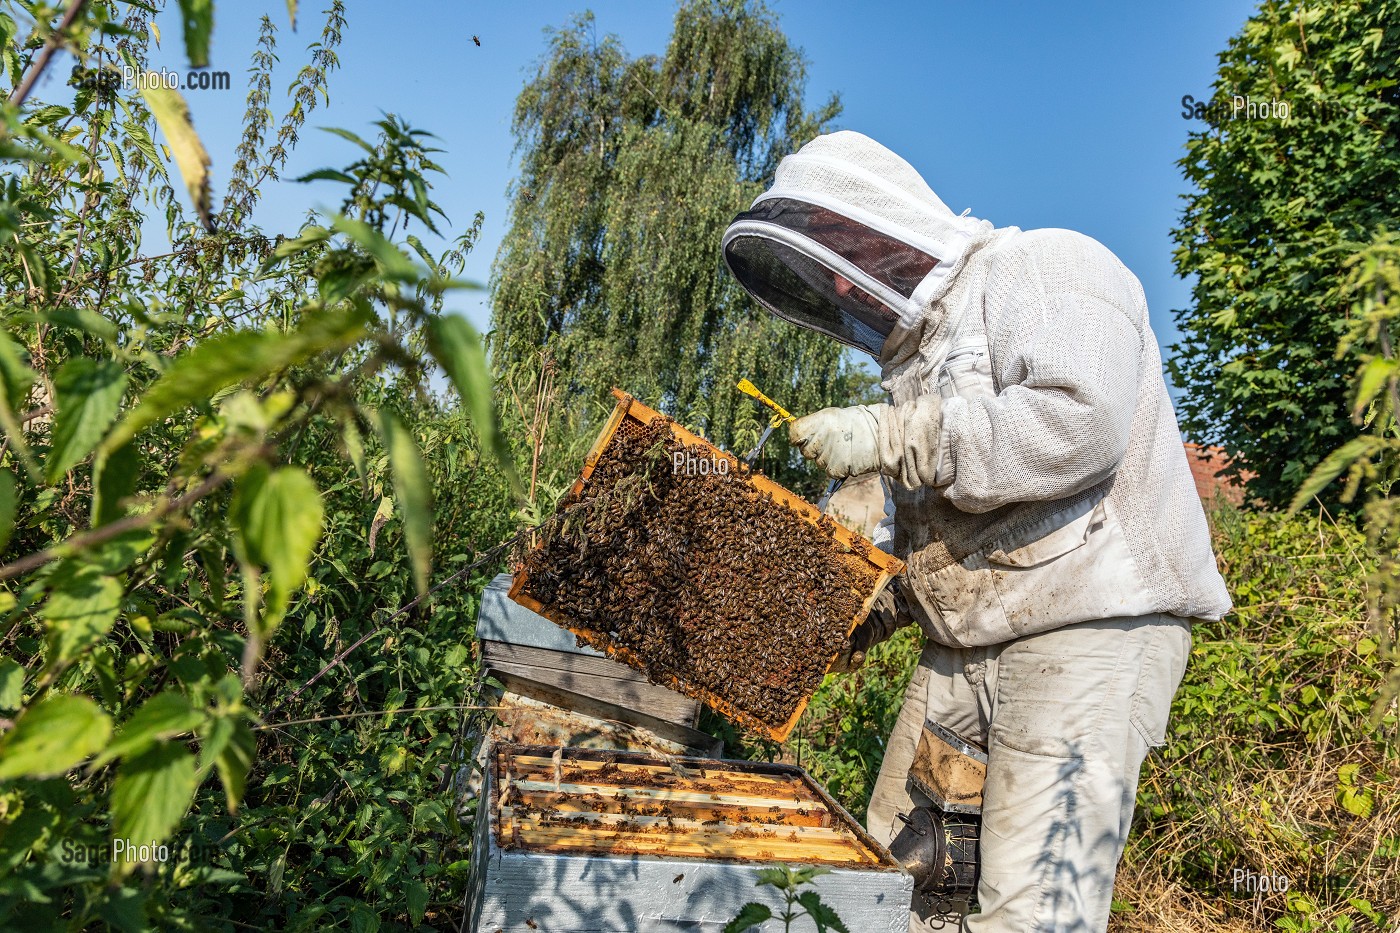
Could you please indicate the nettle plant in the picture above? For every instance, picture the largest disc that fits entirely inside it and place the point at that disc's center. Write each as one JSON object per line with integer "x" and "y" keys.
{"x": 161, "y": 411}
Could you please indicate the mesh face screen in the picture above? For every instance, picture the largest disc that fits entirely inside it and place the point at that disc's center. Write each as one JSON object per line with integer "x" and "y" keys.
{"x": 801, "y": 290}
{"x": 888, "y": 261}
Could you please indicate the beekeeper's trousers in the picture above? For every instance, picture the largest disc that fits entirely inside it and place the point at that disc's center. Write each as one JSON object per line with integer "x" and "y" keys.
{"x": 1067, "y": 717}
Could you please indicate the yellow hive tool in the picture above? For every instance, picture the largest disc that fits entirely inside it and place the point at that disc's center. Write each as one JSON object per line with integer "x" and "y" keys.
{"x": 780, "y": 416}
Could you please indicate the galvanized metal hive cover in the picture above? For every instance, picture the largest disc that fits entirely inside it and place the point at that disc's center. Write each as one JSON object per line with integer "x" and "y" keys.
{"x": 591, "y": 840}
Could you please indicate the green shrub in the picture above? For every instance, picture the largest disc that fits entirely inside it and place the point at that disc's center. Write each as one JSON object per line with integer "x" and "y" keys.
{"x": 1273, "y": 765}
{"x": 216, "y": 477}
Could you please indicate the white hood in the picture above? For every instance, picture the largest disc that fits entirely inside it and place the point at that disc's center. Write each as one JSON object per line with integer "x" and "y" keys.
{"x": 849, "y": 207}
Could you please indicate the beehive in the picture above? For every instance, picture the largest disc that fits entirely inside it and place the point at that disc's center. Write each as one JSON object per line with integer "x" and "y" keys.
{"x": 588, "y": 840}
{"x": 745, "y": 571}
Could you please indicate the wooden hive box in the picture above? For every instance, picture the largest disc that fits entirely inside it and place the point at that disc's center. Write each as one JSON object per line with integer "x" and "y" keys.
{"x": 631, "y": 415}
{"x": 589, "y": 841}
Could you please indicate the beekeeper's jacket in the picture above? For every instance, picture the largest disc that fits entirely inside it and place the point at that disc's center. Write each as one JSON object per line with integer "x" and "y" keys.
{"x": 1037, "y": 473}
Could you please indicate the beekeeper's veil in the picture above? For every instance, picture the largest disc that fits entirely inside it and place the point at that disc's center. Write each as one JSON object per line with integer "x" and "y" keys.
{"x": 849, "y": 241}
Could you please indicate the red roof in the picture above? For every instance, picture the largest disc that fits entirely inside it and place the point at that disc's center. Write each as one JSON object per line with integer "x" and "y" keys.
{"x": 1205, "y": 463}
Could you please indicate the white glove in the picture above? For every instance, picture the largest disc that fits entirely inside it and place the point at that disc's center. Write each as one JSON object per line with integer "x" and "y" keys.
{"x": 843, "y": 441}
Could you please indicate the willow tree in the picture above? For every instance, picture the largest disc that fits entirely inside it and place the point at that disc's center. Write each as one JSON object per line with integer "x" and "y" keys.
{"x": 630, "y": 170}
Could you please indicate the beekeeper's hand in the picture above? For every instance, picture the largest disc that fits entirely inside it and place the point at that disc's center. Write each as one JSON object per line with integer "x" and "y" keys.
{"x": 887, "y": 613}
{"x": 842, "y": 441}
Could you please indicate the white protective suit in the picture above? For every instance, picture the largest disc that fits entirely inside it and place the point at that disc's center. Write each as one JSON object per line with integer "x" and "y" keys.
{"x": 1041, "y": 497}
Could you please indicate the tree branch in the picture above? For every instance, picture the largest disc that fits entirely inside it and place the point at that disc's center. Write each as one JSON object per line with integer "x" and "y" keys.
{"x": 114, "y": 529}
{"x": 41, "y": 61}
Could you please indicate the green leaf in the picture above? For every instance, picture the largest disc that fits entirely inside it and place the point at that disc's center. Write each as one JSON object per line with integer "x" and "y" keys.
{"x": 52, "y": 736}
{"x": 151, "y": 793}
{"x": 199, "y": 24}
{"x": 310, "y": 236}
{"x": 413, "y": 494}
{"x": 1357, "y": 801}
{"x": 326, "y": 174}
{"x": 163, "y": 716}
{"x": 229, "y": 746}
{"x": 779, "y": 877}
{"x": 277, "y": 517}
{"x": 750, "y": 915}
{"x": 292, "y": 13}
{"x": 417, "y": 901}
{"x": 392, "y": 261}
{"x": 21, "y": 834}
{"x": 8, "y": 504}
{"x": 1374, "y": 375}
{"x": 11, "y": 684}
{"x": 118, "y": 553}
{"x": 141, "y": 139}
{"x": 457, "y": 347}
{"x": 422, "y": 251}
{"x": 114, "y": 478}
{"x": 1333, "y": 466}
{"x": 88, "y": 394}
{"x": 823, "y": 916}
{"x": 81, "y": 320}
{"x": 233, "y": 358}
{"x": 15, "y": 379}
{"x": 341, "y": 281}
{"x": 346, "y": 134}
{"x": 354, "y": 446}
{"x": 80, "y": 611}
{"x": 363, "y": 919}
{"x": 124, "y": 909}
{"x": 173, "y": 115}
{"x": 15, "y": 375}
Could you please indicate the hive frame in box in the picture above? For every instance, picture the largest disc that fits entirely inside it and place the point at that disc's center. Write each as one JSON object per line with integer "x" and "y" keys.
{"x": 683, "y": 882}
{"x": 888, "y": 566}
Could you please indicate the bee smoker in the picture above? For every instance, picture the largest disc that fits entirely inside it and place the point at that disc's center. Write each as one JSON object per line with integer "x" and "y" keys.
{"x": 939, "y": 844}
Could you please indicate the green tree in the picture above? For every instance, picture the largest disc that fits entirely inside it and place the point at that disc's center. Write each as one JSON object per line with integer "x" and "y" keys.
{"x": 631, "y": 169}
{"x": 1279, "y": 204}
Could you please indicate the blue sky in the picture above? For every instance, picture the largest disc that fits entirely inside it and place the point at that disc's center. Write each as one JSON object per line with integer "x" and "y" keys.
{"x": 1029, "y": 114}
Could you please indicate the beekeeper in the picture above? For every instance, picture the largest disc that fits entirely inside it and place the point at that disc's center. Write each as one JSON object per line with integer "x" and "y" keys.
{"x": 1055, "y": 543}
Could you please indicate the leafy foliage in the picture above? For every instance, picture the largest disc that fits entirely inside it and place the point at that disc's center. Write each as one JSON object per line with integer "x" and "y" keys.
{"x": 1371, "y": 462}
{"x": 215, "y": 481}
{"x": 1273, "y": 763}
{"x": 789, "y": 882}
{"x": 1278, "y": 206}
{"x": 631, "y": 169}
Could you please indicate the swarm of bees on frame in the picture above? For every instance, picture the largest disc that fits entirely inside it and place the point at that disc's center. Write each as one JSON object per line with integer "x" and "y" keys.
{"x": 709, "y": 584}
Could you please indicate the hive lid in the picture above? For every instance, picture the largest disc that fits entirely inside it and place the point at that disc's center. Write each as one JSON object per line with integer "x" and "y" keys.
{"x": 505, "y": 620}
